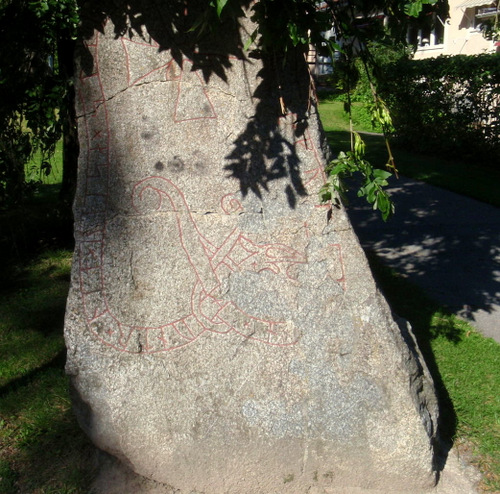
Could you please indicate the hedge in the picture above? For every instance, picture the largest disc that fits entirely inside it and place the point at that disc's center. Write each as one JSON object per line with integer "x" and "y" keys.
{"x": 448, "y": 105}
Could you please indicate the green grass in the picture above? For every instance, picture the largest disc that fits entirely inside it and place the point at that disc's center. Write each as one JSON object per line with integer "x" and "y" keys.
{"x": 38, "y": 432}
{"x": 42, "y": 449}
{"x": 471, "y": 179}
{"x": 34, "y": 172}
{"x": 465, "y": 366}
{"x": 332, "y": 113}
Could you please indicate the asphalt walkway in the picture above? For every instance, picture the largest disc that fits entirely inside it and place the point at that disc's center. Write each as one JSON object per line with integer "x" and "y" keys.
{"x": 446, "y": 243}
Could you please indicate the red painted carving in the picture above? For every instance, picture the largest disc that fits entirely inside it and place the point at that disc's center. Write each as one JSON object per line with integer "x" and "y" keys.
{"x": 206, "y": 309}
{"x": 189, "y": 81}
{"x": 230, "y": 204}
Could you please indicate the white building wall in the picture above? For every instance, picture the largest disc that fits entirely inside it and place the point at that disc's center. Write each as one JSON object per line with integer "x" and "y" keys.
{"x": 462, "y": 35}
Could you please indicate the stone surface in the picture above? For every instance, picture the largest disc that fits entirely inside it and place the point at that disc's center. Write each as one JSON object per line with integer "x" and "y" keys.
{"x": 224, "y": 332}
{"x": 457, "y": 477}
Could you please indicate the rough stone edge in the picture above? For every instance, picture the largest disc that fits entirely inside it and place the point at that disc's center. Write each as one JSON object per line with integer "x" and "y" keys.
{"x": 113, "y": 477}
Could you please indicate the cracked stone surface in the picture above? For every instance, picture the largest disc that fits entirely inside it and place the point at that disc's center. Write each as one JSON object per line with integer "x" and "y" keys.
{"x": 224, "y": 332}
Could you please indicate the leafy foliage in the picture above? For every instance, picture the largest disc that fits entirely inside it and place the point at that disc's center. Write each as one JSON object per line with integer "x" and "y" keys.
{"x": 34, "y": 82}
{"x": 374, "y": 180}
{"x": 458, "y": 102}
{"x": 283, "y": 26}
{"x": 34, "y": 85}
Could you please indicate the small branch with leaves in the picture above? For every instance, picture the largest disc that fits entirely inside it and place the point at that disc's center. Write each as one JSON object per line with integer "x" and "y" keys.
{"x": 373, "y": 180}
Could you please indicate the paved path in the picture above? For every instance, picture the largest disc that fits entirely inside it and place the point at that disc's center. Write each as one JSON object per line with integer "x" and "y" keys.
{"x": 444, "y": 242}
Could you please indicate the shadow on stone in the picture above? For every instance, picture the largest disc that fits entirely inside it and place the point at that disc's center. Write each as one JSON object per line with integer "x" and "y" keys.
{"x": 224, "y": 332}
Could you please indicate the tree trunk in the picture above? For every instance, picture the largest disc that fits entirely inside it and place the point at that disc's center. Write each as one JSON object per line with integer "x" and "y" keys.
{"x": 65, "y": 54}
{"x": 224, "y": 332}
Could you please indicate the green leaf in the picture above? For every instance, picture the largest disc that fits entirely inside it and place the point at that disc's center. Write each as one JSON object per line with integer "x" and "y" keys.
{"x": 325, "y": 193}
{"x": 381, "y": 174}
{"x": 220, "y": 6}
{"x": 382, "y": 201}
{"x": 413, "y": 9}
{"x": 359, "y": 146}
{"x": 371, "y": 193}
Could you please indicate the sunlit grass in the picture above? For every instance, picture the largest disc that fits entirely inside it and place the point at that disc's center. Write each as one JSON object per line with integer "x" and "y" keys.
{"x": 471, "y": 179}
{"x": 335, "y": 118}
{"x": 464, "y": 364}
{"x": 51, "y": 175}
{"x": 38, "y": 432}
{"x": 470, "y": 371}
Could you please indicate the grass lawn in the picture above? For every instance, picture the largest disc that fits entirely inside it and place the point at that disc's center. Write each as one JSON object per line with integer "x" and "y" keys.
{"x": 38, "y": 432}
{"x": 54, "y": 176}
{"x": 471, "y": 179}
{"x": 42, "y": 450}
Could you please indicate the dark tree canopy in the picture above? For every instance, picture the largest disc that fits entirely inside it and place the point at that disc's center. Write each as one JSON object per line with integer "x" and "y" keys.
{"x": 36, "y": 96}
{"x": 35, "y": 86}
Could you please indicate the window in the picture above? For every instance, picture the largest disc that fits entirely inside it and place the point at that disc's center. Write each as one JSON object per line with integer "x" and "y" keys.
{"x": 427, "y": 34}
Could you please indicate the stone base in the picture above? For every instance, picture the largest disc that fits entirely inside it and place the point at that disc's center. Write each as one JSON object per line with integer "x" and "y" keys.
{"x": 457, "y": 477}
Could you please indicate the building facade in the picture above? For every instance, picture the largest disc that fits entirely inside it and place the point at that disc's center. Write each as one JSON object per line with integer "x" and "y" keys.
{"x": 460, "y": 34}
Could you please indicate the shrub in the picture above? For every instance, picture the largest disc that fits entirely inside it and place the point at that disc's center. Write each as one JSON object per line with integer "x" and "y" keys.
{"x": 448, "y": 105}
